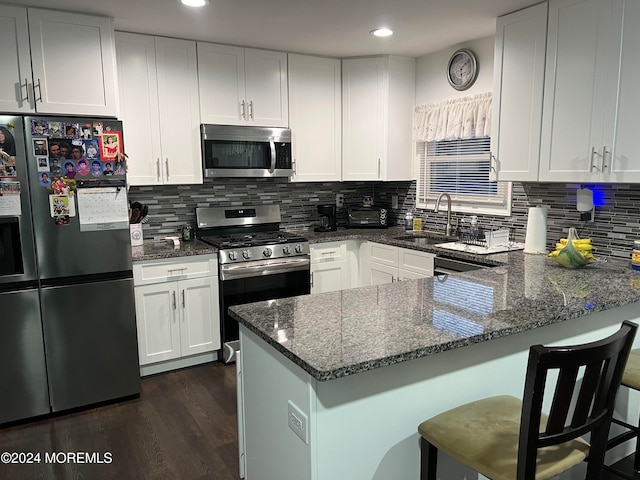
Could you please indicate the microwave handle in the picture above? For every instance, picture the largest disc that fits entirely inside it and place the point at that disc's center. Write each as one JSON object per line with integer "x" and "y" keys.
{"x": 272, "y": 145}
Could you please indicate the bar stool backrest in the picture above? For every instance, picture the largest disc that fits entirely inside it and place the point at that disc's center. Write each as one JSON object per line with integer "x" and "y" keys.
{"x": 577, "y": 406}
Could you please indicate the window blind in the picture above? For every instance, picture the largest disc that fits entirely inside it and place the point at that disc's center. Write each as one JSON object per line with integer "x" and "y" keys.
{"x": 462, "y": 169}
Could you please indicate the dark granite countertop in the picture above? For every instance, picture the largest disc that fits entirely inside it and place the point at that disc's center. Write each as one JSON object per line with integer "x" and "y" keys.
{"x": 336, "y": 334}
{"x": 155, "y": 250}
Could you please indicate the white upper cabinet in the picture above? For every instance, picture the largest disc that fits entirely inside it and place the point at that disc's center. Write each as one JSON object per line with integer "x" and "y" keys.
{"x": 579, "y": 54}
{"x": 591, "y": 103}
{"x": 315, "y": 117}
{"x": 518, "y": 83}
{"x": 158, "y": 91}
{"x": 41, "y": 49}
{"x": 378, "y": 103}
{"x": 16, "y": 87}
{"x": 242, "y": 86}
{"x": 623, "y": 164}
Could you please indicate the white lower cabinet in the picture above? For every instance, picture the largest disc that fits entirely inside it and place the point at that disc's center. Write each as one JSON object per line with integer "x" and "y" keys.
{"x": 177, "y": 310}
{"x": 388, "y": 264}
{"x": 334, "y": 266}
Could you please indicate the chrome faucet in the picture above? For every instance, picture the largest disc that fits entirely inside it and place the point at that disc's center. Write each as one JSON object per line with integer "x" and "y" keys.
{"x": 448, "y": 227}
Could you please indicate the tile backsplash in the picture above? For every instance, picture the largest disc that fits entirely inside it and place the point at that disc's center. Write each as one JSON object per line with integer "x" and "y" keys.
{"x": 616, "y": 226}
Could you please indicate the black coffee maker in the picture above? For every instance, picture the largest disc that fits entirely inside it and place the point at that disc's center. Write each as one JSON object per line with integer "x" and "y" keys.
{"x": 327, "y": 219}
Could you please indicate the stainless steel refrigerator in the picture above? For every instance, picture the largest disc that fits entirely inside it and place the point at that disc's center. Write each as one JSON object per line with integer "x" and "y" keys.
{"x": 68, "y": 333}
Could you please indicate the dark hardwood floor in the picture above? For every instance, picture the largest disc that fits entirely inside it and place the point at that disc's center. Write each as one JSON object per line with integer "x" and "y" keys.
{"x": 183, "y": 427}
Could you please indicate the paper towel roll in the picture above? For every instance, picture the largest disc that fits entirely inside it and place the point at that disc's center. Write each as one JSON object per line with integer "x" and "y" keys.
{"x": 536, "y": 237}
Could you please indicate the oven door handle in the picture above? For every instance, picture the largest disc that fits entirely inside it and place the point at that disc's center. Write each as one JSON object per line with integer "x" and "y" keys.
{"x": 266, "y": 267}
{"x": 443, "y": 271}
{"x": 272, "y": 146}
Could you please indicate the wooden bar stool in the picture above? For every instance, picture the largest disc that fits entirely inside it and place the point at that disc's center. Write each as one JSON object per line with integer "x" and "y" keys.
{"x": 504, "y": 438}
{"x": 630, "y": 379}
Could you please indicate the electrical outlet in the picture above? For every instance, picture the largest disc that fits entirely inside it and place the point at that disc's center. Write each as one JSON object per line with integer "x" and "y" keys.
{"x": 587, "y": 216}
{"x": 394, "y": 201}
{"x": 339, "y": 200}
{"x": 298, "y": 422}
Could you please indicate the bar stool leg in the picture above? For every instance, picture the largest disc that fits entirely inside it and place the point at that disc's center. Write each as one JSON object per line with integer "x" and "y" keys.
{"x": 428, "y": 460}
{"x": 636, "y": 458}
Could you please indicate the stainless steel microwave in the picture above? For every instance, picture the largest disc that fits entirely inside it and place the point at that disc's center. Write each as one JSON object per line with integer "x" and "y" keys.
{"x": 245, "y": 151}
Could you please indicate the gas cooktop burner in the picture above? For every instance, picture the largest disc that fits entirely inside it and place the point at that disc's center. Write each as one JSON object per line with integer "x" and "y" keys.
{"x": 240, "y": 240}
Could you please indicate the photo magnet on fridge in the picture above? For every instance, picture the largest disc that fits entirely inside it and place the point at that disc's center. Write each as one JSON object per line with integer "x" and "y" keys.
{"x": 71, "y": 130}
{"x": 55, "y": 129}
{"x": 39, "y": 127}
{"x": 43, "y": 164}
{"x": 110, "y": 145}
{"x": 40, "y": 147}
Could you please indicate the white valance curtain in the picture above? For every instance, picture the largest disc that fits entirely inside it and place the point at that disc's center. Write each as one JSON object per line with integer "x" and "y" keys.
{"x": 467, "y": 117}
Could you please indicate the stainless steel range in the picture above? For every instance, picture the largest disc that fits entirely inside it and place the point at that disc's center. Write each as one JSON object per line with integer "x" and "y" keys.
{"x": 257, "y": 261}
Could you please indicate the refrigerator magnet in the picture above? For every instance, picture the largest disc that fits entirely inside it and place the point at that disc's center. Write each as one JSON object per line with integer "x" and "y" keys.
{"x": 110, "y": 145}
{"x": 71, "y": 130}
{"x": 86, "y": 131}
{"x": 40, "y": 147}
{"x": 55, "y": 129}
{"x": 97, "y": 129}
{"x": 7, "y": 142}
{"x": 7, "y": 165}
{"x": 43, "y": 164}
{"x": 82, "y": 168}
{"x": 61, "y": 220}
{"x": 91, "y": 151}
{"x": 39, "y": 127}
{"x": 44, "y": 178}
{"x": 62, "y": 205}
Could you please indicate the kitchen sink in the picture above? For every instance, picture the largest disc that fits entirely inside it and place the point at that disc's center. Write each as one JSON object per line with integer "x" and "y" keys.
{"x": 434, "y": 239}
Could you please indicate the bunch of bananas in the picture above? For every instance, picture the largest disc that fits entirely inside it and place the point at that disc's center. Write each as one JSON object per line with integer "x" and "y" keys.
{"x": 579, "y": 254}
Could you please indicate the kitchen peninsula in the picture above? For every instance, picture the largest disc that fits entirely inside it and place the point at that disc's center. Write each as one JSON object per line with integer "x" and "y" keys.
{"x": 334, "y": 385}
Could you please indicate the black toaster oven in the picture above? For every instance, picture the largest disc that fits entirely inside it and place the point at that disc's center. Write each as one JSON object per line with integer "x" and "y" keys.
{"x": 367, "y": 217}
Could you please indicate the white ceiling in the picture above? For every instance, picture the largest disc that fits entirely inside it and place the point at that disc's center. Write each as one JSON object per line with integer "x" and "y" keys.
{"x": 337, "y": 28}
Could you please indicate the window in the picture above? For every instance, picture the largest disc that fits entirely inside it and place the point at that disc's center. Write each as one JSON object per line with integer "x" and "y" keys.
{"x": 462, "y": 169}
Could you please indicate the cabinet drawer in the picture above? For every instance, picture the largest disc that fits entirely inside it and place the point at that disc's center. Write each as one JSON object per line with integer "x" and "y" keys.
{"x": 331, "y": 251}
{"x": 181, "y": 268}
{"x": 416, "y": 261}
{"x": 384, "y": 254}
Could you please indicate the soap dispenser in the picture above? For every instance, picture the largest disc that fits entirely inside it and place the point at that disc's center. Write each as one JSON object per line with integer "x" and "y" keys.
{"x": 408, "y": 221}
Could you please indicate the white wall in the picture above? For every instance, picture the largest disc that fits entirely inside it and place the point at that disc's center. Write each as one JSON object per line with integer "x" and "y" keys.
{"x": 431, "y": 72}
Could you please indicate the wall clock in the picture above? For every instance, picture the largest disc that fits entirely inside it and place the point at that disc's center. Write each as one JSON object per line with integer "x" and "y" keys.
{"x": 462, "y": 70}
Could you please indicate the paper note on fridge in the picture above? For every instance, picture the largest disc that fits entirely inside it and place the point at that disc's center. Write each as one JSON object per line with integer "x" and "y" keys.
{"x": 102, "y": 208}
{"x": 10, "y": 199}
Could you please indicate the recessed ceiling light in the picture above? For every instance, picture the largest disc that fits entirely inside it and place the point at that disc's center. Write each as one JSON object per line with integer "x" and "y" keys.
{"x": 194, "y": 3}
{"x": 382, "y": 32}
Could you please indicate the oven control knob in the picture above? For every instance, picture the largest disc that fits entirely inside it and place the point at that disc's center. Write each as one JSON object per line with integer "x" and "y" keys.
{"x": 267, "y": 252}
{"x": 286, "y": 250}
{"x": 298, "y": 248}
{"x": 233, "y": 256}
{"x": 246, "y": 254}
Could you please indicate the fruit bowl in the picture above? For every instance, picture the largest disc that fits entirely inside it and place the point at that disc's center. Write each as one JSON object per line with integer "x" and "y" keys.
{"x": 573, "y": 252}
